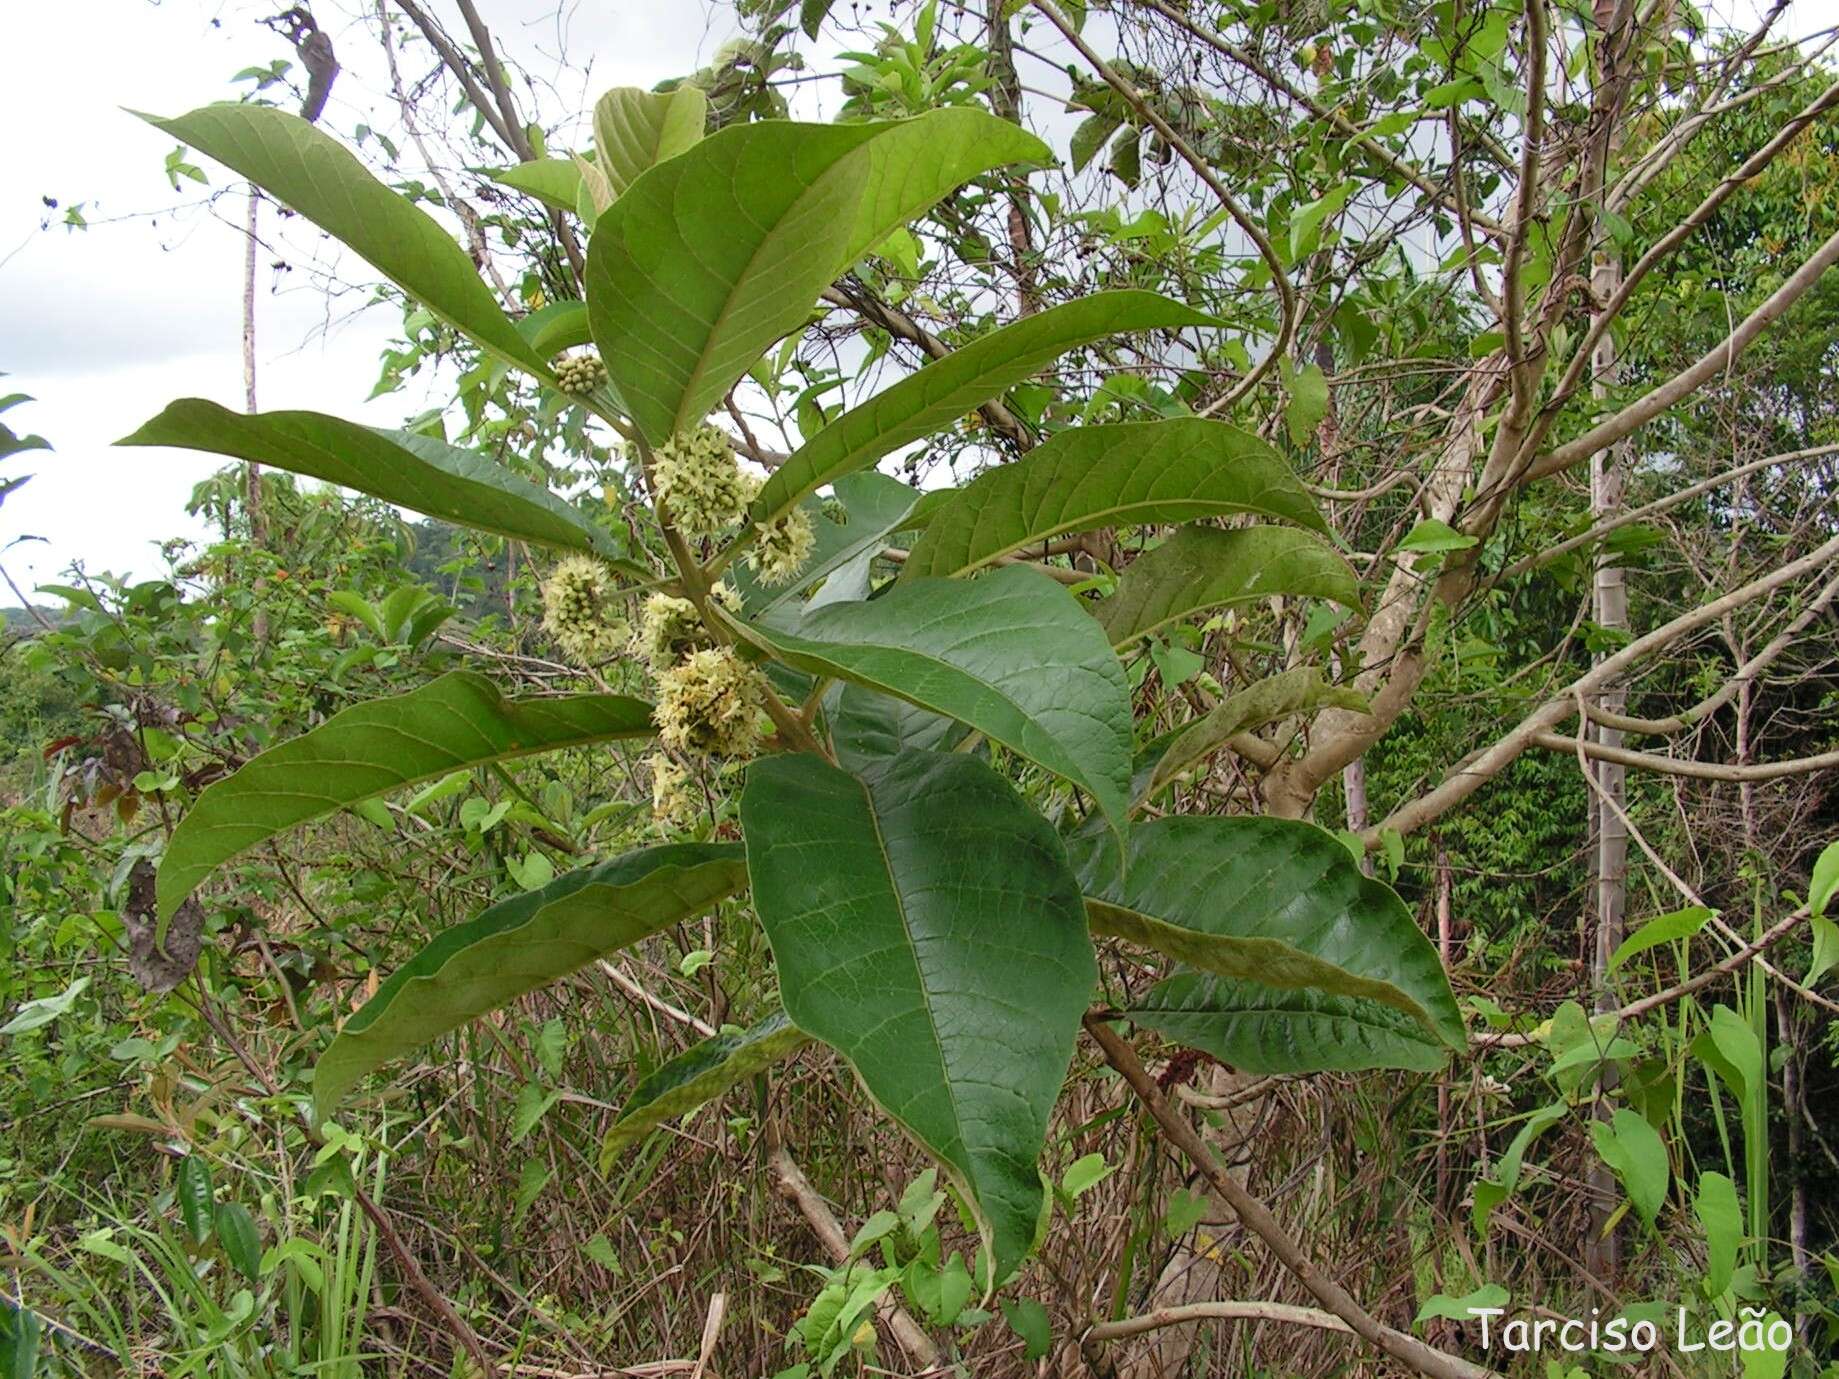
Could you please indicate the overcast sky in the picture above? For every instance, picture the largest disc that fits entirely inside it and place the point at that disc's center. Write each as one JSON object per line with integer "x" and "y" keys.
{"x": 103, "y": 327}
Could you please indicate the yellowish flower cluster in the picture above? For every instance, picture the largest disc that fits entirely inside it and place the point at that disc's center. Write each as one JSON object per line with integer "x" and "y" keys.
{"x": 700, "y": 481}
{"x": 781, "y": 548}
{"x": 579, "y": 611}
{"x": 711, "y": 702}
{"x": 669, "y": 628}
{"x": 579, "y": 373}
{"x": 672, "y": 801}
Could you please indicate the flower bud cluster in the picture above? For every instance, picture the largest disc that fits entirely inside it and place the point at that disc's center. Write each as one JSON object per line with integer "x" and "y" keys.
{"x": 580, "y": 611}
{"x": 579, "y": 373}
{"x": 671, "y": 799}
{"x": 670, "y": 628}
{"x": 710, "y": 702}
{"x": 700, "y": 481}
{"x": 782, "y": 547}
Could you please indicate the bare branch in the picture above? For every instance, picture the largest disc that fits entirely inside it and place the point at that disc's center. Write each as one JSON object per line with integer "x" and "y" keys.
{"x": 1678, "y": 766}
{"x": 1630, "y": 516}
{"x": 1218, "y": 1311}
{"x": 1688, "y": 381}
{"x": 1286, "y": 293}
{"x": 1470, "y": 776}
{"x": 1407, "y": 1350}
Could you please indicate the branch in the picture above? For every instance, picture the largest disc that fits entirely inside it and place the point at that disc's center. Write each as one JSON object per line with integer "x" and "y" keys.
{"x": 1667, "y": 243}
{"x": 500, "y": 112}
{"x": 1408, "y": 1350}
{"x": 1218, "y": 1311}
{"x": 386, "y": 1228}
{"x": 494, "y": 73}
{"x": 1665, "y": 150}
{"x": 455, "y": 61}
{"x": 1341, "y": 124}
{"x": 1471, "y": 775}
{"x": 854, "y": 296}
{"x": 1513, "y": 302}
{"x": 1746, "y": 672}
{"x": 1064, "y": 575}
{"x": 469, "y": 218}
{"x": 1673, "y": 993}
{"x": 1688, "y": 381}
{"x": 1632, "y": 515}
{"x": 1286, "y": 294}
{"x": 1696, "y": 770}
{"x": 797, "y": 1189}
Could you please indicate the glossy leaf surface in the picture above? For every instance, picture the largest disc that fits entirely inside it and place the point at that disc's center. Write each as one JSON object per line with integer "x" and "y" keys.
{"x": 524, "y": 943}
{"x": 458, "y": 720}
{"x": 925, "y": 925}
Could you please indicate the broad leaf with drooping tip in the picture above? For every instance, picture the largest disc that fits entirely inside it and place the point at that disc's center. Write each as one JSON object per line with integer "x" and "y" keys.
{"x": 1202, "y": 568}
{"x": 1273, "y": 902}
{"x": 925, "y": 924}
{"x": 413, "y": 471}
{"x": 635, "y": 130}
{"x": 1012, "y": 654}
{"x": 698, "y": 1075}
{"x": 324, "y": 181}
{"x": 556, "y": 182}
{"x": 1110, "y": 476}
{"x": 524, "y": 943}
{"x": 1269, "y": 1030}
{"x": 456, "y": 721}
{"x": 711, "y": 256}
{"x": 948, "y": 388}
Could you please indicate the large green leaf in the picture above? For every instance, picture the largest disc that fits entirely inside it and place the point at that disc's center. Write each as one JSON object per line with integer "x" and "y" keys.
{"x": 521, "y": 944}
{"x": 867, "y": 727}
{"x": 1012, "y": 654}
{"x": 553, "y": 181}
{"x": 556, "y": 327}
{"x": 458, "y": 720}
{"x": 1637, "y": 1154}
{"x": 712, "y": 255}
{"x": 634, "y": 129}
{"x": 1265, "y": 1029}
{"x": 926, "y": 926}
{"x": 1300, "y": 690}
{"x": 399, "y": 467}
{"x": 1271, "y": 901}
{"x": 1108, "y": 476}
{"x": 945, "y": 390}
{"x": 1200, "y": 568}
{"x": 324, "y": 181}
{"x": 698, "y": 1075}
{"x": 874, "y": 507}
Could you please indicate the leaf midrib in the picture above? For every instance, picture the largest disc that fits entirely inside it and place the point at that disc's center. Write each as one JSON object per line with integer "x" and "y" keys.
{"x": 919, "y": 972}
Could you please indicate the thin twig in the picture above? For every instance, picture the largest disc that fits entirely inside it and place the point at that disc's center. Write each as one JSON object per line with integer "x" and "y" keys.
{"x": 1407, "y": 1350}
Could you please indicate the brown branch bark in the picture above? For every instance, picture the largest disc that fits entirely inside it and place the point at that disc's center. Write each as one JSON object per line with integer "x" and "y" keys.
{"x": 1248, "y": 226}
{"x": 1694, "y": 770}
{"x": 1407, "y": 1350}
{"x": 1682, "y": 385}
{"x": 1470, "y": 776}
{"x": 792, "y": 1184}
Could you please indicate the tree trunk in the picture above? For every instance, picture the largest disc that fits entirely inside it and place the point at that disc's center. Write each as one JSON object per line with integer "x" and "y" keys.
{"x": 1445, "y": 1130}
{"x": 1006, "y": 100}
{"x": 1610, "y": 609}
